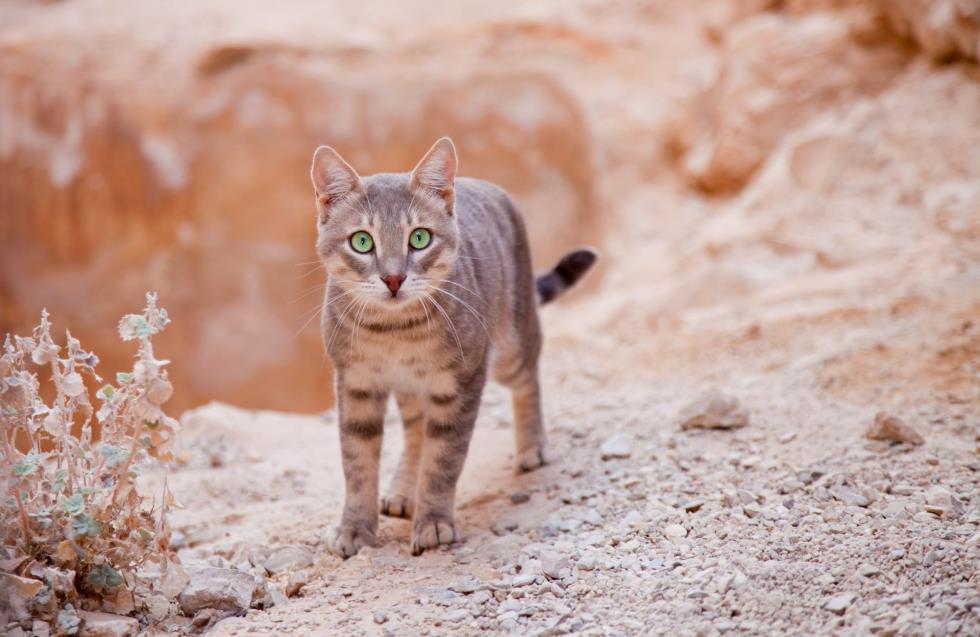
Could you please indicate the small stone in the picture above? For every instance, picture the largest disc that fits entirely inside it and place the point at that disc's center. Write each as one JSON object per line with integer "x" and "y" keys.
{"x": 380, "y": 617}
{"x": 587, "y": 562}
{"x": 692, "y": 506}
{"x": 481, "y": 597}
{"x": 287, "y": 558}
{"x": 40, "y": 628}
{"x": 751, "y": 510}
{"x": 466, "y": 585}
{"x": 206, "y": 617}
{"x": 850, "y": 497}
{"x": 458, "y": 615}
{"x": 790, "y": 486}
{"x": 177, "y": 540}
{"x": 896, "y": 554}
{"x": 724, "y": 583}
{"x": 157, "y": 606}
{"x": 838, "y": 604}
{"x": 296, "y": 582}
{"x": 106, "y": 625}
{"x": 943, "y": 503}
{"x": 675, "y": 531}
{"x": 503, "y": 528}
{"x": 869, "y": 570}
{"x": 714, "y": 410}
{"x": 618, "y": 445}
{"x": 524, "y": 579}
{"x": 220, "y": 588}
{"x": 896, "y": 509}
{"x": 552, "y": 564}
{"x": 892, "y": 429}
{"x": 520, "y": 497}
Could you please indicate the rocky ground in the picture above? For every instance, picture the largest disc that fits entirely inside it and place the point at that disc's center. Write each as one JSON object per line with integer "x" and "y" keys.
{"x": 787, "y": 198}
{"x": 794, "y": 523}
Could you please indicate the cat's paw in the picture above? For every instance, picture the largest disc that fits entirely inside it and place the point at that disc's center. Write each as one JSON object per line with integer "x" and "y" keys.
{"x": 431, "y": 531}
{"x": 530, "y": 459}
{"x": 397, "y": 506}
{"x": 346, "y": 540}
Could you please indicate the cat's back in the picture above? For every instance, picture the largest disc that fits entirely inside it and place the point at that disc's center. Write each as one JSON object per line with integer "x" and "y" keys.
{"x": 487, "y": 212}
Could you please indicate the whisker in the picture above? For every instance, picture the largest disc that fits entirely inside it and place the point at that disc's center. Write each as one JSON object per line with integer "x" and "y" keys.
{"x": 308, "y": 273}
{"x": 340, "y": 321}
{"x": 309, "y": 291}
{"x": 317, "y": 310}
{"x": 472, "y": 310}
{"x": 449, "y": 322}
{"x": 357, "y": 325}
{"x": 459, "y": 285}
{"x": 428, "y": 323}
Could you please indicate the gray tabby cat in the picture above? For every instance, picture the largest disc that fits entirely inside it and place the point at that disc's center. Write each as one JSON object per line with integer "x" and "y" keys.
{"x": 430, "y": 286}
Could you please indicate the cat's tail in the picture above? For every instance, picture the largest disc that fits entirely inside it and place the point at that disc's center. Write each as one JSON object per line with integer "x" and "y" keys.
{"x": 567, "y": 273}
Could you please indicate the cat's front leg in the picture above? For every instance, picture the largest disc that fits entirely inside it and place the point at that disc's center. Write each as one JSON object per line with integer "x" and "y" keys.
{"x": 448, "y": 429}
{"x": 362, "y": 411}
{"x": 399, "y": 502}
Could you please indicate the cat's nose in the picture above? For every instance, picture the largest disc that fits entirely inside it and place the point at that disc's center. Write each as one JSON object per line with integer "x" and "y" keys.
{"x": 393, "y": 281}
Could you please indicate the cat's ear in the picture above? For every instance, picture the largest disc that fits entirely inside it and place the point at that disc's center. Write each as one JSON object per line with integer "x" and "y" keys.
{"x": 333, "y": 180}
{"x": 436, "y": 173}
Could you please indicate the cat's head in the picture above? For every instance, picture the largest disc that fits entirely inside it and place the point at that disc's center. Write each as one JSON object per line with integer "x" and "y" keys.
{"x": 387, "y": 239}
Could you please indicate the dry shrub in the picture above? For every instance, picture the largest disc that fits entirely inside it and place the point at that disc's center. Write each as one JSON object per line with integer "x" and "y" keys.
{"x": 74, "y": 530}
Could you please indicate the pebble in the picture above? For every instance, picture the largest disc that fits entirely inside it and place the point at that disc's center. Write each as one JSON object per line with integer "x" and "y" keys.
{"x": 466, "y": 585}
{"x": 287, "y": 558}
{"x": 380, "y": 617}
{"x": 892, "y": 429}
{"x": 675, "y": 531}
{"x": 520, "y": 497}
{"x": 714, "y": 410}
{"x": 219, "y": 588}
{"x": 838, "y": 604}
{"x": 552, "y": 564}
{"x": 692, "y": 506}
{"x": 587, "y": 562}
{"x": 107, "y": 625}
{"x": 524, "y": 579}
{"x": 619, "y": 445}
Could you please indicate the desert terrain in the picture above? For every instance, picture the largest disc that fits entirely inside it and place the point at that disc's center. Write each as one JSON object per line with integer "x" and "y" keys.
{"x": 786, "y": 196}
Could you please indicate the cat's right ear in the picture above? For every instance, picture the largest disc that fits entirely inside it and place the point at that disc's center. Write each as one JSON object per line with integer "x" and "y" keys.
{"x": 333, "y": 180}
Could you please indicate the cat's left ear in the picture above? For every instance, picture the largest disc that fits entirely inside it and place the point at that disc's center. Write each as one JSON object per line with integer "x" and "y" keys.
{"x": 436, "y": 173}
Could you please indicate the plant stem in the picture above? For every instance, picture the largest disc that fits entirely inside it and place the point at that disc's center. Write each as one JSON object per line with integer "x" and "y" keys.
{"x": 25, "y": 524}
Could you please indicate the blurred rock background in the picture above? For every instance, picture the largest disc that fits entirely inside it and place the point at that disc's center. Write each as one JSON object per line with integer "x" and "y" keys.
{"x": 737, "y": 161}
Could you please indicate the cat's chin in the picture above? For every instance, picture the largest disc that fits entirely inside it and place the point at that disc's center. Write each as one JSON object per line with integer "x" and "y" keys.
{"x": 398, "y": 303}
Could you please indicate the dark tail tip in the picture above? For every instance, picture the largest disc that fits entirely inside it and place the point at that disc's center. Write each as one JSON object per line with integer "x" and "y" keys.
{"x": 570, "y": 269}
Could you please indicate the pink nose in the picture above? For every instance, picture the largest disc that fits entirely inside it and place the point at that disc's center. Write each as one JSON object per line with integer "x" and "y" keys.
{"x": 394, "y": 281}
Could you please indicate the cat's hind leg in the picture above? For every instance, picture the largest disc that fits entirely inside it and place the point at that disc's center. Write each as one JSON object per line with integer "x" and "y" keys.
{"x": 399, "y": 502}
{"x": 517, "y": 369}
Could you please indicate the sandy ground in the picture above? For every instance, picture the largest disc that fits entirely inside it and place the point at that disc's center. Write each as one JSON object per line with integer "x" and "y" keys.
{"x": 775, "y": 519}
{"x": 839, "y": 279}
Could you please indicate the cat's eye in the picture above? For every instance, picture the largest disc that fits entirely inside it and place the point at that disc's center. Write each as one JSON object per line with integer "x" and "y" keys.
{"x": 361, "y": 242}
{"x": 420, "y": 238}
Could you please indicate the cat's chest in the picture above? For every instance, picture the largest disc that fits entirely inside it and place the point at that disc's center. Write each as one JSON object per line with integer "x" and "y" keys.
{"x": 399, "y": 364}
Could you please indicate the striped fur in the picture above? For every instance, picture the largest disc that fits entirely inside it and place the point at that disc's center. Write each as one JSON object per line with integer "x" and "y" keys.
{"x": 466, "y": 310}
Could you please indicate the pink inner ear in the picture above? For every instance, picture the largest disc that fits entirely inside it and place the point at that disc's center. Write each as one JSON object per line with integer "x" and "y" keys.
{"x": 324, "y": 199}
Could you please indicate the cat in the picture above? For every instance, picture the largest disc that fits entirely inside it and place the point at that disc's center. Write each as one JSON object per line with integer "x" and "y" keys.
{"x": 430, "y": 288}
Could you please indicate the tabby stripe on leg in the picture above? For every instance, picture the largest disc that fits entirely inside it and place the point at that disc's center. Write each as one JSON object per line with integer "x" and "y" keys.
{"x": 363, "y": 428}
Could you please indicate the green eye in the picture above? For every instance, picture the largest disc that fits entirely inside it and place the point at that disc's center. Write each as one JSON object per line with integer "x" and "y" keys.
{"x": 361, "y": 242}
{"x": 420, "y": 238}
